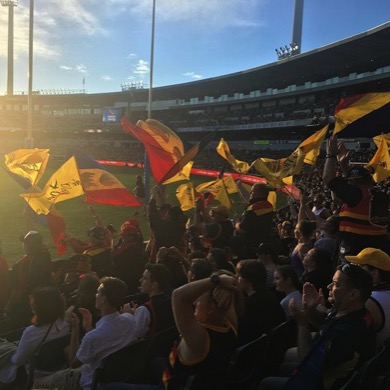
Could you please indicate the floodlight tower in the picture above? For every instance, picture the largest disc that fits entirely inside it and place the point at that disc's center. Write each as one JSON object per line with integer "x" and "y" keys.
{"x": 297, "y": 27}
{"x": 10, "y": 70}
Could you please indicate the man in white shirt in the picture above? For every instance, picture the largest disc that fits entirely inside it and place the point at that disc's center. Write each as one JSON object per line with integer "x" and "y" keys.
{"x": 113, "y": 332}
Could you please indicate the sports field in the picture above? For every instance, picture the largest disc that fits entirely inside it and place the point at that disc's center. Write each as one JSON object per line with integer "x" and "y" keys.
{"x": 14, "y": 222}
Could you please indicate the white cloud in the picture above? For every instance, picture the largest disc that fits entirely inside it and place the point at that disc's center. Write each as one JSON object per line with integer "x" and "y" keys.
{"x": 141, "y": 68}
{"x": 132, "y": 55}
{"x": 64, "y": 67}
{"x": 106, "y": 78}
{"x": 193, "y": 75}
{"x": 81, "y": 69}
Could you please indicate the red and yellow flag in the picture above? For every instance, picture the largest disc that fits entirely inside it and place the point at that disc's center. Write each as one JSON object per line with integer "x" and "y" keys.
{"x": 355, "y": 107}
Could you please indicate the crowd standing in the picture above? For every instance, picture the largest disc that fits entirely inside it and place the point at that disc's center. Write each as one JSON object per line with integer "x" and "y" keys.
{"x": 322, "y": 262}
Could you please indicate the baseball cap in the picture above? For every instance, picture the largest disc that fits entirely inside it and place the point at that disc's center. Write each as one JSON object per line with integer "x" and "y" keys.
{"x": 358, "y": 173}
{"x": 220, "y": 209}
{"x": 371, "y": 256}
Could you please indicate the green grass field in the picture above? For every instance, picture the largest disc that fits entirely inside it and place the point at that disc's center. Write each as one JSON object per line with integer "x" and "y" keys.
{"x": 14, "y": 222}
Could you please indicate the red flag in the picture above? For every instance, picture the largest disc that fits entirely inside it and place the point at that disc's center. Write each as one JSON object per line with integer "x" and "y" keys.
{"x": 161, "y": 158}
{"x": 100, "y": 186}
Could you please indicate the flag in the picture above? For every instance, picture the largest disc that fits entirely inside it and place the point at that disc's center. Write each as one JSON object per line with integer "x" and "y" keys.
{"x": 311, "y": 146}
{"x": 378, "y": 139}
{"x": 363, "y": 115}
{"x": 28, "y": 163}
{"x": 189, "y": 156}
{"x": 184, "y": 174}
{"x": 276, "y": 170}
{"x": 100, "y": 186}
{"x": 224, "y": 151}
{"x": 64, "y": 184}
{"x": 156, "y": 140}
{"x": 53, "y": 221}
{"x": 380, "y": 162}
{"x": 185, "y": 193}
{"x": 217, "y": 190}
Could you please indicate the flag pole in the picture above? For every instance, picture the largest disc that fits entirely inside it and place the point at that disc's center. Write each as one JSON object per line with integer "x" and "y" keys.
{"x": 29, "y": 142}
{"x": 146, "y": 160}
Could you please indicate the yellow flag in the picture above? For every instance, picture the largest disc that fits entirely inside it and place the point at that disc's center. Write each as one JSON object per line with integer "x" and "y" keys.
{"x": 311, "y": 146}
{"x": 29, "y": 163}
{"x": 380, "y": 162}
{"x": 185, "y": 193}
{"x": 64, "y": 184}
{"x": 224, "y": 151}
{"x": 230, "y": 184}
{"x": 184, "y": 174}
{"x": 276, "y": 170}
{"x": 378, "y": 139}
{"x": 272, "y": 198}
{"x": 218, "y": 190}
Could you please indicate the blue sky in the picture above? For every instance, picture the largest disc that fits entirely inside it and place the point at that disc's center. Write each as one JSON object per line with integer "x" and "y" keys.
{"x": 108, "y": 42}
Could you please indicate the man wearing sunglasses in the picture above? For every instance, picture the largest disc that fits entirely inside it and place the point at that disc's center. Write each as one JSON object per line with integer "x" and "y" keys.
{"x": 345, "y": 339}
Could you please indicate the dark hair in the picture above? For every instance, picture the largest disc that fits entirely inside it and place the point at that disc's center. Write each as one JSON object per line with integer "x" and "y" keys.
{"x": 48, "y": 305}
{"x": 220, "y": 259}
{"x": 307, "y": 228}
{"x": 201, "y": 268}
{"x": 384, "y": 276}
{"x": 114, "y": 289}
{"x": 175, "y": 264}
{"x": 288, "y": 272}
{"x": 323, "y": 261}
{"x": 159, "y": 273}
{"x": 357, "y": 278}
{"x": 254, "y": 272}
{"x": 266, "y": 248}
{"x": 86, "y": 291}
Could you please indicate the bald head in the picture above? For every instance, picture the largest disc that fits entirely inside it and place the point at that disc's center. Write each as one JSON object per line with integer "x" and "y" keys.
{"x": 259, "y": 191}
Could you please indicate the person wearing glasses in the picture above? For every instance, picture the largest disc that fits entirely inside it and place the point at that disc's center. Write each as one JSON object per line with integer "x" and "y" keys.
{"x": 377, "y": 264}
{"x": 364, "y": 214}
{"x": 346, "y": 336}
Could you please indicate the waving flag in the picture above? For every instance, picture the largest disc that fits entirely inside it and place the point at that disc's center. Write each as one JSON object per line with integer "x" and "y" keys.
{"x": 163, "y": 147}
{"x": 53, "y": 221}
{"x": 188, "y": 156}
{"x": 185, "y": 193}
{"x": 28, "y": 163}
{"x": 311, "y": 146}
{"x": 276, "y": 170}
{"x": 378, "y": 139}
{"x": 380, "y": 162}
{"x": 363, "y": 115}
{"x": 217, "y": 189}
{"x": 224, "y": 151}
{"x": 100, "y": 186}
{"x": 64, "y": 184}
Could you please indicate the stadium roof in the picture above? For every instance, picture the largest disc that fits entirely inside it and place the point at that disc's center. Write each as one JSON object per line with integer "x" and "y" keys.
{"x": 360, "y": 53}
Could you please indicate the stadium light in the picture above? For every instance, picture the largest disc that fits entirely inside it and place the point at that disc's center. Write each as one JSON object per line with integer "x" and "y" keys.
{"x": 10, "y": 57}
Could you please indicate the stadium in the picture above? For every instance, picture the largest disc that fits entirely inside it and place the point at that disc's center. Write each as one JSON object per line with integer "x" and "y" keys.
{"x": 265, "y": 111}
{"x": 270, "y": 107}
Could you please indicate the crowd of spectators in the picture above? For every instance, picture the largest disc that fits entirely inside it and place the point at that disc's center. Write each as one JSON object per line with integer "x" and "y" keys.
{"x": 223, "y": 282}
